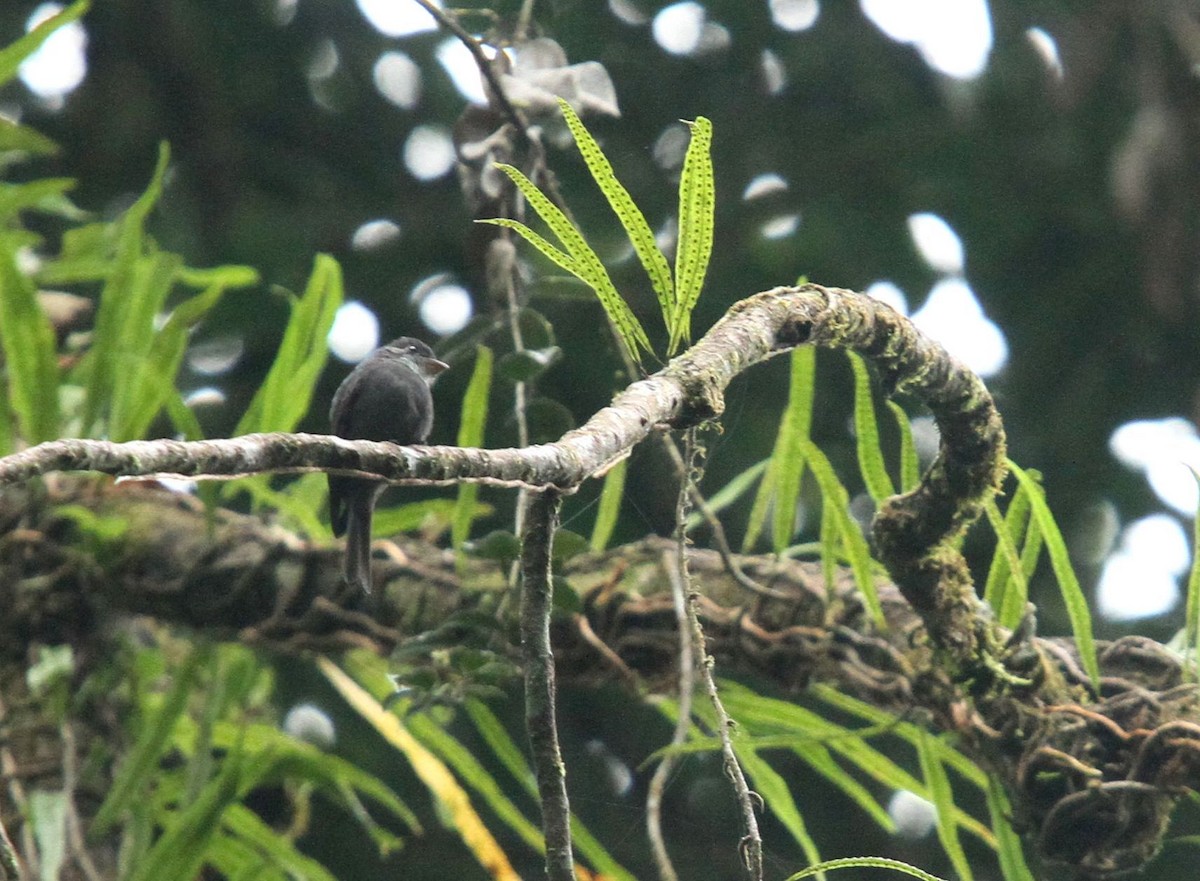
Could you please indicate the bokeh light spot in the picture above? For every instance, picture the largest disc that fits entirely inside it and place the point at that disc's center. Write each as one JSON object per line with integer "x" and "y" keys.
{"x": 398, "y": 79}
{"x": 795, "y": 15}
{"x": 937, "y": 243}
{"x": 679, "y": 27}
{"x": 59, "y": 65}
{"x": 355, "y": 332}
{"x": 428, "y": 152}
{"x": 397, "y": 19}
{"x": 375, "y": 234}
{"x": 952, "y": 316}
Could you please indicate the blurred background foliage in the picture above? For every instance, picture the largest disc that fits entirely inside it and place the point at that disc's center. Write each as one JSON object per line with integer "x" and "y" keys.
{"x": 1067, "y": 165}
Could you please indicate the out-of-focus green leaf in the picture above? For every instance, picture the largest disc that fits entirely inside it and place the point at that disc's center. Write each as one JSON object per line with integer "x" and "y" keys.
{"x": 427, "y": 514}
{"x": 30, "y": 358}
{"x": 125, "y": 308}
{"x": 46, "y": 195}
{"x": 1068, "y": 583}
{"x": 18, "y": 140}
{"x": 498, "y": 545}
{"x": 13, "y": 54}
{"x": 567, "y": 544}
{"x": 135, "y": 772}
{"x": 181, "y": 850}
{"x": 785, "y": 468}
{"x": 910, "y": 467}
{"x": 1012, "y": 856}
{"x": 1191, "y": 615}
{"x": 697, "y": 200}
{"x": 866, "y": 431}
{"x": 775, "y": 792}
{"x": 283, "y": 398}
{"x": 789, "y": 453}
{"x": 48, "y": 816}
{"x": 942, "y": 797}
{"x": 471, "y": 427}
{"x": 1006, "y": 572}
{"x": 513, "y": 759}
{"x": 737, "y": 487}
{"x": 837, "y": 500}
{"x": 631, "y": 217}
{"x": 609, "y": 508}
{"x": 298, "y": 502}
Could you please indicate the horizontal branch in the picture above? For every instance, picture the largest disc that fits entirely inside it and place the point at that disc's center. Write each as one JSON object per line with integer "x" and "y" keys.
{"x": 687, "y": 391}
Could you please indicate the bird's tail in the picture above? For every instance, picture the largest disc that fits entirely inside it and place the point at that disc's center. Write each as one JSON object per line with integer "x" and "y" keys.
{"x": 357, "y": 566}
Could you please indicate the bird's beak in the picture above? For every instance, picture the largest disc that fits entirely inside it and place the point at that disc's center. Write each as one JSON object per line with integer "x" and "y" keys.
{"x": 431, "y": 367}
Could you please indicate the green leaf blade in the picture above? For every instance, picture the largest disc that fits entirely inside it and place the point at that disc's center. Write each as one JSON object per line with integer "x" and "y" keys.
{"x": 697, "y": 202}
{"x": 30, "y": 355}
{"x": 587, "y": 265}
{"x": 938, "y": 785}
{"x": 866, "y": 431}
{"x": 471, "y": 427}
{"x": 631, "y": 217}
{"x": 1068, "y": 583}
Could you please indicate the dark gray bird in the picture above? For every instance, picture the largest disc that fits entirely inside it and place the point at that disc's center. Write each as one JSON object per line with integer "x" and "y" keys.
{"x": 385, "y": 398}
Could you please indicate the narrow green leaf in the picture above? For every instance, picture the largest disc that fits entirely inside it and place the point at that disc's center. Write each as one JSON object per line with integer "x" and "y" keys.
{"x": 21, "y": 139}
{"x": 942, "y": 797}
{"x": 866, "y": 430}
{"x": 818, "y": 757}
{"x": 30, "y": 357}
{"x": 786, "y": 462}
{"x": 737, "y": 487}
{"x": 865, "y": 863}
{"x": 181, "y": 850}
{"x": 119, "y": 309}
{"x": 138, "y": 387}
{"x": 951, "y": 757}
{"x": 153, "y": 383}
{"x": 43, "y": 194}
{"x": 697, "y": 200}
{"x": 471, "y": 427}
{"x": 910, "y": 467}
{"x": 776, "y": 793}
{"x": 284, "y": 397}
{"x": 277, "y": 850}
{"x": 609, "y": 509}
{"x": 1012, "y": 856}
{"x": 1014, "y": 599}
{"x": 510, "y": 755}
{"x": 586, "y": 262}
{"x": 837, "y": 500}
{"x": 297, "y": 503}
{"x": 560, "y": 258}
{"x": 758, "y": 714}
{"x": 474, "y": 775}
{"x": 762, "y": 503}
{"x": 1191, "y": 615}
{"x": 789, "y": 451}
{"x": 12, "y": 55}
{"x": 631, "y": 217}
{"x": 1068, "y": 584}
{"x": 830, "y": 541}
{"x": 136, "y": 770}
{"x": 1007, "y": 559}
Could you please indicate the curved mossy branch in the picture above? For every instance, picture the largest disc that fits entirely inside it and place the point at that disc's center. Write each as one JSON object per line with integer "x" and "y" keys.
{"x": 913, "y": 532}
